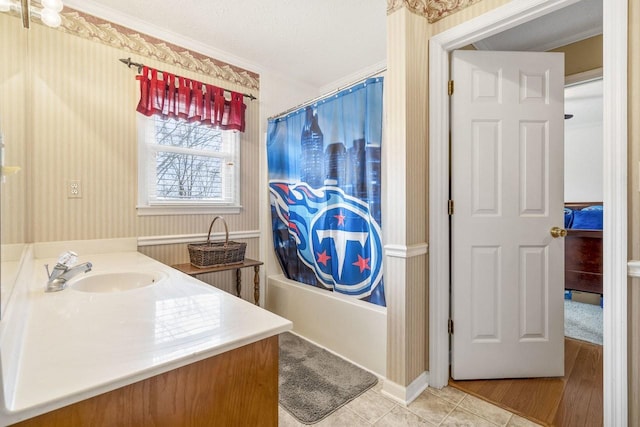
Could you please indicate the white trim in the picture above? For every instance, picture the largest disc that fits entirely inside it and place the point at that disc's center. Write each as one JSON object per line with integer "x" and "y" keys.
{"x": 614, "y": 62}
{"x": 402, "y": 251}
{"x": 495, "y": 21}
{"x": 438, "y": 216}
{"x": 187, "y": 210}
{"x": 195, "y": 238}
{"x": 583, "y": 77}
{"x": 633, "y": 268}
{"x": 573, "y": 38}
{"x": 148, "y": 148}
{"x": 406, "y": 395}
{"x": 615, "y": 167}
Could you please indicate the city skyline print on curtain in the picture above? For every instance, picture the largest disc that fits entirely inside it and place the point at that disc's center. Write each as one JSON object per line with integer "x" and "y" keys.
{"x": 325, "y": 185}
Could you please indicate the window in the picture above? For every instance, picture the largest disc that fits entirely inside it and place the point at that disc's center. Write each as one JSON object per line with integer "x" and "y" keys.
{"x": 186, "y": 167}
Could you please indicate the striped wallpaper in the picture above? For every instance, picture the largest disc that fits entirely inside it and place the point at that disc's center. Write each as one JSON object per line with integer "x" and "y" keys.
{"x": 405, "y": 208}
{"x": 13, "y": 75}
{"x": 58, "y": 126}
{"x": 464, "y": 15}
{"x": 75, "y": 118}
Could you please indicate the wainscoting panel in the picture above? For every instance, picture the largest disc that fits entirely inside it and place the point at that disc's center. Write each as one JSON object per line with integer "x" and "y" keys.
{"x": 179, "y": 254}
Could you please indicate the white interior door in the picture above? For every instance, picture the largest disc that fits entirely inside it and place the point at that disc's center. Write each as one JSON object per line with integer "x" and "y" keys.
{"x": 507, "y": 125}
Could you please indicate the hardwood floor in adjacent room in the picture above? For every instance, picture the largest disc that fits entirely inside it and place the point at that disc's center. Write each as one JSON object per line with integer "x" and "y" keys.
{"x": 572, "y": 400}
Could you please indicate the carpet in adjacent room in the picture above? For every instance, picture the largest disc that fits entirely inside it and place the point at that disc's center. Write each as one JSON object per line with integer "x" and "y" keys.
{"x": 314, "y": 382}
{"x": 583, "y": 321}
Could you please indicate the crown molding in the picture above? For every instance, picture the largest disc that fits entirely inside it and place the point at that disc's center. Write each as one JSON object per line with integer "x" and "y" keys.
{"x": 433, "y": 10}
{"x": 96, "y": 29}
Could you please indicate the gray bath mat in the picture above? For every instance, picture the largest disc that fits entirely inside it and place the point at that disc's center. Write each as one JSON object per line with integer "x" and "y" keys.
{"x": 314, "y": 383}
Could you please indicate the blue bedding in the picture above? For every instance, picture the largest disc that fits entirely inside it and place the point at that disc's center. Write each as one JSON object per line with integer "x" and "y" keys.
{"x": 589, "y": 218}
{"x": 568, "y": 218}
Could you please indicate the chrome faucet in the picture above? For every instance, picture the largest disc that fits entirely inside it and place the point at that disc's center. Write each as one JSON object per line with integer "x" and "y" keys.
{"x": 63, "y": 271}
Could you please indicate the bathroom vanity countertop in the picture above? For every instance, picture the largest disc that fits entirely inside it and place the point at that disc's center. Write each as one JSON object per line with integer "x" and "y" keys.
{"x": 80, "y": 344}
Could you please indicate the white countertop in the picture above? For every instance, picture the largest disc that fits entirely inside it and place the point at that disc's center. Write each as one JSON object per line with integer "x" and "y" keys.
{"x": 80, "y": 344}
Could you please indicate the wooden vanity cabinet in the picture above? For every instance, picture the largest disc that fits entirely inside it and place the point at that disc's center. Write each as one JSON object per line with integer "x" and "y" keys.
{"x": 236, "y": 388}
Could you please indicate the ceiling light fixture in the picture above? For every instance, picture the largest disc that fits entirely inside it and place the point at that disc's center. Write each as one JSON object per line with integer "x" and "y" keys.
{"x": 48, "y": 11}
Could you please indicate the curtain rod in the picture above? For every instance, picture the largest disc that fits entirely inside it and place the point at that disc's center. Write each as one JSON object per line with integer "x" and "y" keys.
{"x": 317, "y": 98}
{"x": 130, "y": 63}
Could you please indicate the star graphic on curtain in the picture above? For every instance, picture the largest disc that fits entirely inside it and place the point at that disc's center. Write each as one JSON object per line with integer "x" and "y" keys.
{"x": 363, "y": 263}
{"x": 340, "y": 217}
{"x": 323, "y": 258}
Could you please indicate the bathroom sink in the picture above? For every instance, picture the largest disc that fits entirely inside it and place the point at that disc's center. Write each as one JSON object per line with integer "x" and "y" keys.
{"x": 116, "y": 281}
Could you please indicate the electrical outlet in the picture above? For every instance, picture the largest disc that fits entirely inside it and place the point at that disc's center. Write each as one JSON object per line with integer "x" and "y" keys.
{"x": 74, "y": 189}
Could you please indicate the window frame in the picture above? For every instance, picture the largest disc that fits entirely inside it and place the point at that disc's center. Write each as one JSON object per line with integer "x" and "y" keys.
{"x": 148, "y": 206}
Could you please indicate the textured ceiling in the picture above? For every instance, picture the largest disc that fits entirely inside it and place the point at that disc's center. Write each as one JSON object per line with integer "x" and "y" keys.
{"x": 316, "y": 42}
{"x": 570, "y": 24}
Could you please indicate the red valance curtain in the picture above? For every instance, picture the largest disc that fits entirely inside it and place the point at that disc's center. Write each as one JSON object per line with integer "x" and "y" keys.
{"x": 179, "y": 97}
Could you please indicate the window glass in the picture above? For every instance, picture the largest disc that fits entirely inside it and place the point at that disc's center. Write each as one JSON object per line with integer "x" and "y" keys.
{"x": 185, "y": 165}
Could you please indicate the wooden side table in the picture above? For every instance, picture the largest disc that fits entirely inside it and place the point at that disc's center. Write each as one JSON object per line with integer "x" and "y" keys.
{"x": 195, "y": 271}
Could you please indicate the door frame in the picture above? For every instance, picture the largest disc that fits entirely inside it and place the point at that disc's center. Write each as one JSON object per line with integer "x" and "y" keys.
{"x": 614, "y": 187}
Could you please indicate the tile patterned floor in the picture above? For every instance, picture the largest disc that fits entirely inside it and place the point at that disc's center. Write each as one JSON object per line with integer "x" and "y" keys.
{"x": 446, "y": 407}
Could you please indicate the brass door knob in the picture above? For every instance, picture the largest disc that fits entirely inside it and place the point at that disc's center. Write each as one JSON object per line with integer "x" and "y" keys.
{"x": 557, "y": 232}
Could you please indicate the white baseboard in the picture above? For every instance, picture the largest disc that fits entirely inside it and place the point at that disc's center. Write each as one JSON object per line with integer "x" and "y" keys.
{"x": 406, "y": 395}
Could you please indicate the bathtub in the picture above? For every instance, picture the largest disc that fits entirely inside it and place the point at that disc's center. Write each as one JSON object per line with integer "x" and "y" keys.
{"x": 353, "y": 329}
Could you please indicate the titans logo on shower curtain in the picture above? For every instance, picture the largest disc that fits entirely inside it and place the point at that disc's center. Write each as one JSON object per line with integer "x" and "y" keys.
{"x": 325, "y": 197}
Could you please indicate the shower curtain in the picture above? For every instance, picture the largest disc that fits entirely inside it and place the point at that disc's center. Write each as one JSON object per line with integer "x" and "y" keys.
{"x": 325, "y": 185}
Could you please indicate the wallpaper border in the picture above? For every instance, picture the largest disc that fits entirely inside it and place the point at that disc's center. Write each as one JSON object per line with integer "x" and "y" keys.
{"x": 96, "y": 29}
{"x": 433, "y": 10}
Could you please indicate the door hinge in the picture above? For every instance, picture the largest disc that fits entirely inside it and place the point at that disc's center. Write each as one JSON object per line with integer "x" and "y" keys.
{"x": 450, "y": 87}
{"x": 450, "y": 207}
{"x": 450, "y": 327}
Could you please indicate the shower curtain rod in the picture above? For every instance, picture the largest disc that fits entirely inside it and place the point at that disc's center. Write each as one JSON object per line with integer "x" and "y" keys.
{"x": 317, "y": 98}
{"x": 130, "y": 63}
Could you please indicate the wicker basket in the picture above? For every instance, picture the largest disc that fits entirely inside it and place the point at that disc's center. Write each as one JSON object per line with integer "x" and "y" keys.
{"x": 211, "y": 254}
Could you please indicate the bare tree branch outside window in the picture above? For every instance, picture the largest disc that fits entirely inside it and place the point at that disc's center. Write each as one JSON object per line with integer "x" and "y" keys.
{"x": 183, "y": 176}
